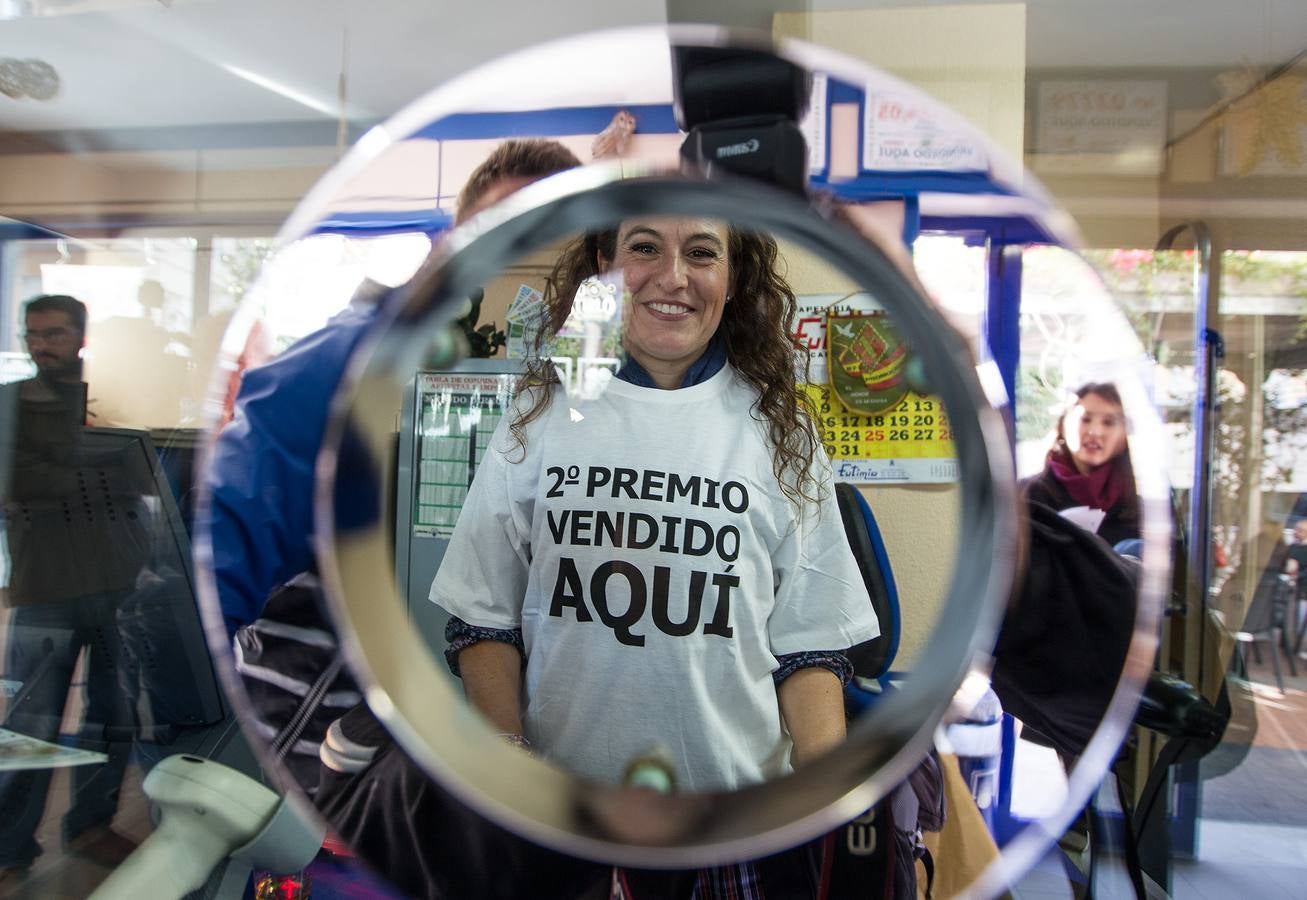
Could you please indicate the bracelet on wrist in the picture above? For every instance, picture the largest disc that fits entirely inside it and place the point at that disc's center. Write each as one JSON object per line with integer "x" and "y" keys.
{"x": 515, "y": 738}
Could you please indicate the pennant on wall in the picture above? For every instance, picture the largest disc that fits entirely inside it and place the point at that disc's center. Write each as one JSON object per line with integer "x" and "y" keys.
{"x": 866, "y": 361}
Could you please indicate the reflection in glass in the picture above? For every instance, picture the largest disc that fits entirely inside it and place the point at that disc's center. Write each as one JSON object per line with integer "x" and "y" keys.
{"x": 140, "y": 346}
{"x": 1083, "y": 423}
{"x": 262, "y": 480}
{"x": 55, "y": 517}
{"x": 1259, "y": 446}
{"x": 98, "y": 582}
{"x": 580, "y": 373}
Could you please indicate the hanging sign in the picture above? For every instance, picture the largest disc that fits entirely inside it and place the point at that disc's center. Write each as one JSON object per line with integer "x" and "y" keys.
{"x": 1107, "y": 126}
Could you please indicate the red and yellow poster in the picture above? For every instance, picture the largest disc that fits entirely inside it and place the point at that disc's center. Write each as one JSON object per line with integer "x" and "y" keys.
{"x": 866, "y": 361}
{"x": 874, "y": 427}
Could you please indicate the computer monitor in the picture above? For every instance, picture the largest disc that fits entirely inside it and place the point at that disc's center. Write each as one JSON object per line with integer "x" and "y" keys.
{"x": 104, "y": 560}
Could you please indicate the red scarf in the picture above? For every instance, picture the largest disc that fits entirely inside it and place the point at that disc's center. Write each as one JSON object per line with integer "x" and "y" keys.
{"x": 1101, "y": 488}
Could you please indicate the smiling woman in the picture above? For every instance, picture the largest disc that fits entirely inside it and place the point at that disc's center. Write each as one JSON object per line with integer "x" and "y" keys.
{"x": 724, "y": 615}
{"x": 1089, "y": 464}
{"x": 718, "y": 295}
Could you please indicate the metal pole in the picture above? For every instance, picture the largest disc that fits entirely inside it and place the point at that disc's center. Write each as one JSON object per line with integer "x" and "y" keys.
{"x": 1208, "y": 353}
{"x": 1159, "y": 838}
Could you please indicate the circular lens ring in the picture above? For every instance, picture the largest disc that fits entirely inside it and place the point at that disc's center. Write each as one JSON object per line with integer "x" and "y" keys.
{"x": 606, "y": 822}
{"x": 1027, "y": 202}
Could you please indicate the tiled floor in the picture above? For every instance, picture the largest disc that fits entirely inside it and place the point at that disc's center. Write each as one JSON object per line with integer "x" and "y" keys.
{"x": 1252, "y": 837}
{"x": 1241, "y": 859}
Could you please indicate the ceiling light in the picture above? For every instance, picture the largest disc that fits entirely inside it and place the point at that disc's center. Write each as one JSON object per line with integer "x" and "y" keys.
{"x": 281, "y": 89}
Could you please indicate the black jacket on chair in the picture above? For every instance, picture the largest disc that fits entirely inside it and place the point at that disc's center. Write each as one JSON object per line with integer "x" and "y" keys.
{"x": 1063, "y": 642}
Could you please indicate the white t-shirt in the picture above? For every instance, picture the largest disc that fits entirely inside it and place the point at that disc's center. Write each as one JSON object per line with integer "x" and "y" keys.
{"x": 656, "y": 571}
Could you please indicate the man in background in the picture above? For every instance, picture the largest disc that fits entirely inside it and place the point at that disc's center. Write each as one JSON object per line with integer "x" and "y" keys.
{"x": 1295, "y": 566}
{"x": 72, "y": 564}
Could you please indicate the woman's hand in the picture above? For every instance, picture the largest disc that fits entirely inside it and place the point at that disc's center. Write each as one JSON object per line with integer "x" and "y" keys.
{"x": 812, "y": 705}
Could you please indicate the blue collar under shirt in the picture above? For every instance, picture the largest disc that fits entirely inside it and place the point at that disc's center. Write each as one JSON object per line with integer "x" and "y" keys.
{"x": 703, "y": 368}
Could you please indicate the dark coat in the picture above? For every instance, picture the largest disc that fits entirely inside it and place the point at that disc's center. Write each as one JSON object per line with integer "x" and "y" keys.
{"x": 1063, "y": 643}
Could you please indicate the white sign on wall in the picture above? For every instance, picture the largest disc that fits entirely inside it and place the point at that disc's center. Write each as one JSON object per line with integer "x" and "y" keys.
{"x": 900, "y": 135}
{"x": 1101, "y": 126}
{"x": 813, "y": 125}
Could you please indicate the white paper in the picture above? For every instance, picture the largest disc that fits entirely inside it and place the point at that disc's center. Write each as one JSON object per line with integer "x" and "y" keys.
{"x": 901, "y": 135}
{"x": 18, "y": 751}
{"x": 1087, "y": 518}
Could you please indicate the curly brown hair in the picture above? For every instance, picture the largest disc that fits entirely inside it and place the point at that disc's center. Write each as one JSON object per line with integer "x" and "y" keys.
{"x": 758, "y": 331}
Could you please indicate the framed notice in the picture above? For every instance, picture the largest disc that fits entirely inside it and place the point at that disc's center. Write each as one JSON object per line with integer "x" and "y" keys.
{"x": 446, "y": 424}
{"x": 1101, "y": 126}
{"x": 456, "y": 415}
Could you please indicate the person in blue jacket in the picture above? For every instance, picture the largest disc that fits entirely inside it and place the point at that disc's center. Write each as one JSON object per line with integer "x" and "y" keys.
{"x": 261, "y": 479}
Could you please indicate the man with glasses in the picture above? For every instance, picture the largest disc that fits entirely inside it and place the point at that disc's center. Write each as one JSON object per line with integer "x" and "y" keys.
{"x": 55, "y": 334}
{"x": 62, "y": 594}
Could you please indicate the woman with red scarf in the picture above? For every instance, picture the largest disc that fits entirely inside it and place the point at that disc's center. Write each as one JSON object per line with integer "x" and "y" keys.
{"x": 1089, "y": 464}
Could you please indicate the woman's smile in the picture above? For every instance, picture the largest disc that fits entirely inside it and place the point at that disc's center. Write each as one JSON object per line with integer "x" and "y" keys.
{"x": 671, "y": 312}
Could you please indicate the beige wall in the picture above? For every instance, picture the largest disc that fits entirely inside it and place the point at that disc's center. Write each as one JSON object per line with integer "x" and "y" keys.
{"x": 237, "y": 185}
{"x": 972, "y": 58}
{"x": 919, "y": 522}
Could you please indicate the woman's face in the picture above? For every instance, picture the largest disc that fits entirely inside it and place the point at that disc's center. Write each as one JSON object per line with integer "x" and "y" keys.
{"x": 1095, "y": 432}
{"x": 679, "y": 277}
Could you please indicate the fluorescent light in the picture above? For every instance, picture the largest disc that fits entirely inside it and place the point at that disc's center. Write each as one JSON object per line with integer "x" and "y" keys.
{"x": 278, "y": 88}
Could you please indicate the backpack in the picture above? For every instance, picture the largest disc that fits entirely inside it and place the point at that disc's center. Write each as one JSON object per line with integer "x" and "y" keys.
{"x": 290, "y": 664}
{"x": 875, "y": 855}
